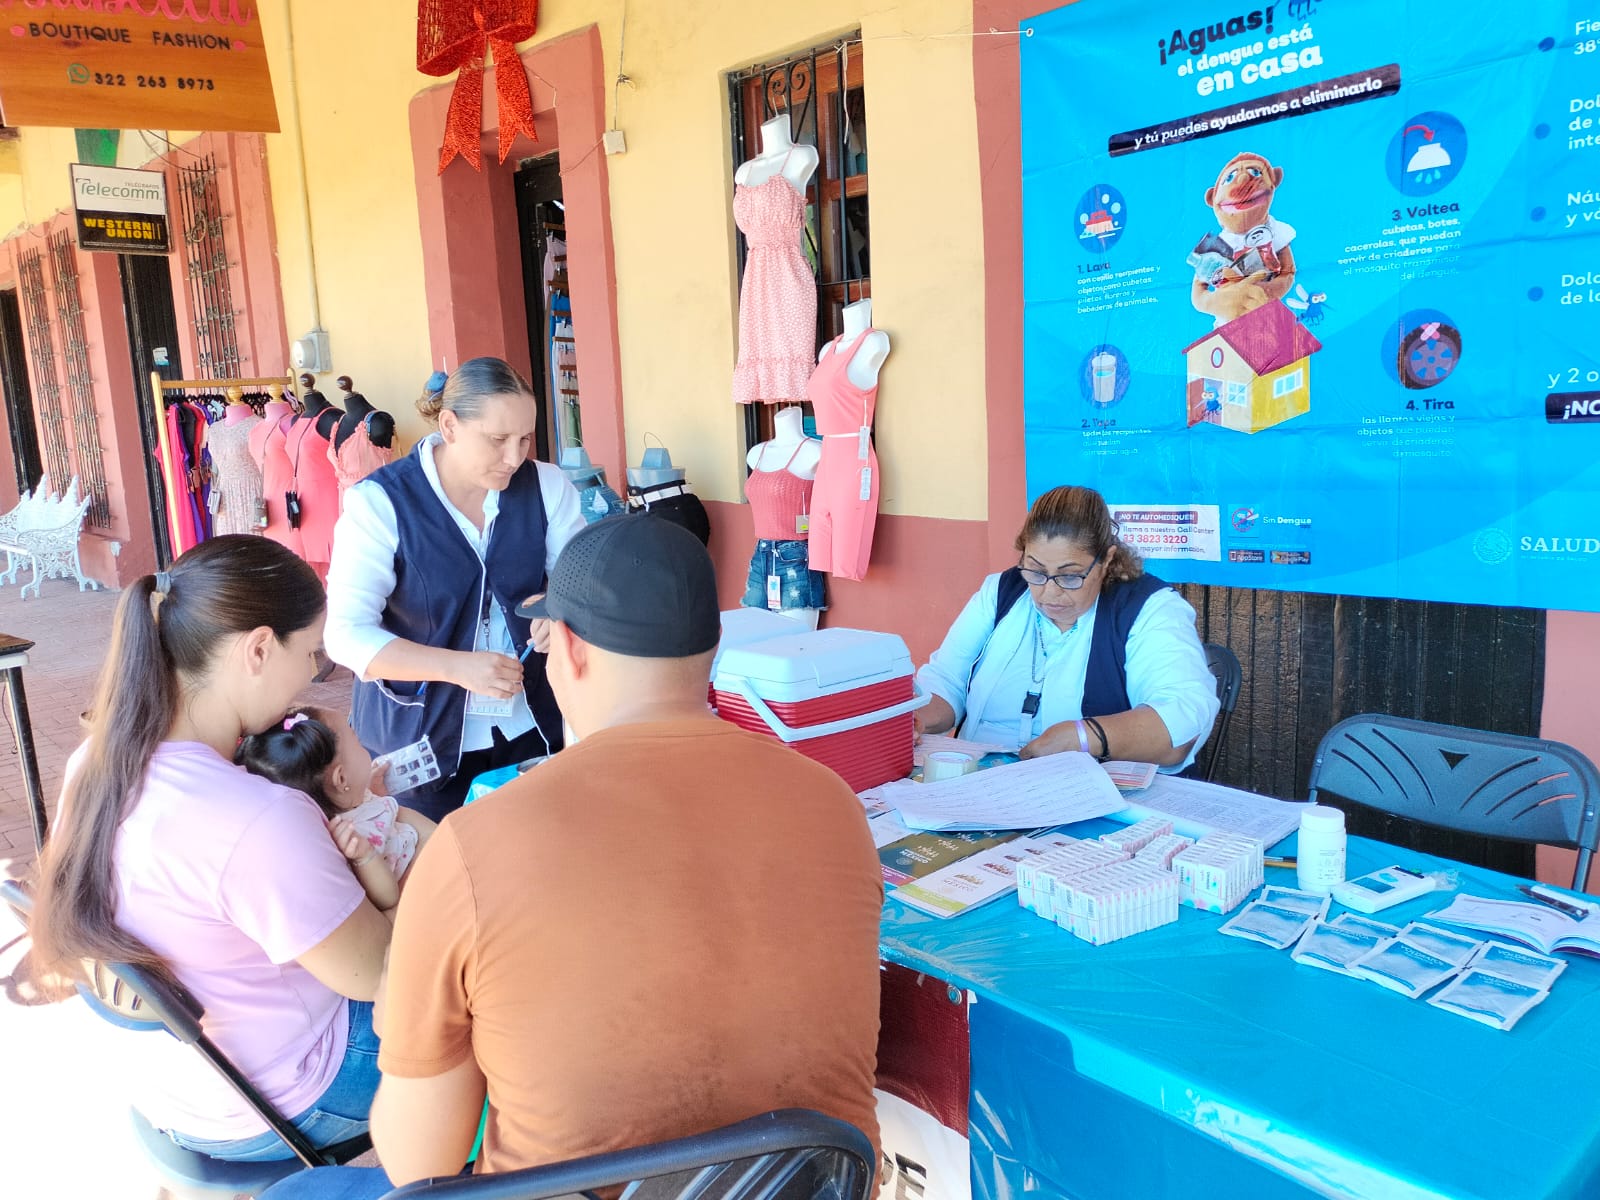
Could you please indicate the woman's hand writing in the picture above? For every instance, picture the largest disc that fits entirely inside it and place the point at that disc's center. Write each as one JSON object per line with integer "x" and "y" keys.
{"x": 489, "y": 673}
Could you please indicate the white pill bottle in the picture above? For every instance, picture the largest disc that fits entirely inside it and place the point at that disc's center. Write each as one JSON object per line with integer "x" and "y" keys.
{"x": 1321, "y": 853}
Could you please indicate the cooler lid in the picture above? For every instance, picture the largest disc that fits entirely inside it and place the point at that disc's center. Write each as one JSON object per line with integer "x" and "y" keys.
{"x": 827, "y": 657}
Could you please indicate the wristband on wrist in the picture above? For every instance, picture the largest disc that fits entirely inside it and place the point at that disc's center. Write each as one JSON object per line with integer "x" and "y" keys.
{"x": 1083, "y": 736}
{"x": 1105, "y": 743}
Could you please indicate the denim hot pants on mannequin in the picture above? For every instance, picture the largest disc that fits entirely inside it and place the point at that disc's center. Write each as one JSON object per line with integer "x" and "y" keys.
{"x": 790, "y": 561}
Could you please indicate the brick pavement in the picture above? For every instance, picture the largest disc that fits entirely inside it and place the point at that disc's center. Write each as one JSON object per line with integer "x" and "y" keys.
{"x": 65, "y": 1138}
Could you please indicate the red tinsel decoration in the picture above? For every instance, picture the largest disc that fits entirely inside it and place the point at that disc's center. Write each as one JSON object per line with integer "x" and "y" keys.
{"x": 458, "y": 35}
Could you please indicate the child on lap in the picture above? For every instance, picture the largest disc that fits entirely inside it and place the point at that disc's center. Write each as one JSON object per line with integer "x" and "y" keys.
{"x": 316, "y": 752}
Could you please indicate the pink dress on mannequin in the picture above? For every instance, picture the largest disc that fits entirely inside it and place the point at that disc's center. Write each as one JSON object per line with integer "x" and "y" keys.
{"x": 778, "y": 300}
{"x": 268, "y": 446}
{"x": 844, "y": 502}
{"x": 359, "y": 457}
{"x": 318, "y": 490}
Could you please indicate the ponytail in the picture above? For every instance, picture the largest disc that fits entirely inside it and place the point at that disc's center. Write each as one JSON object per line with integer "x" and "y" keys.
{"x": 167, "y": 629}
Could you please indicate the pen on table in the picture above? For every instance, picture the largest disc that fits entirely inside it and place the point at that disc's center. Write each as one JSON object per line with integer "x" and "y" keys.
{"x": 1270, "y": 861}
{"x": 1562, "y": 906}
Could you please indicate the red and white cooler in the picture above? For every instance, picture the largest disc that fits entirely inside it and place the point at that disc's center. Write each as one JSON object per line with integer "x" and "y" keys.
{"x": 843, "y": 697}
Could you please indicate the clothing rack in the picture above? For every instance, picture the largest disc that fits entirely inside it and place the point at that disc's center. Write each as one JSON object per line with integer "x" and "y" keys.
{"x": 275, "y": 386}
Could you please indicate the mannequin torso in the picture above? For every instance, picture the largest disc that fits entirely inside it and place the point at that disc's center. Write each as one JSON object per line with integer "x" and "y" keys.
{"x": 868, "y": 358}
{"x": 779, "y": 156}
{"x": 356, "y": 411}
{"x": 788, "y": 448}
{"x": 238, "y": 413}
{"x": 318, "y": 409}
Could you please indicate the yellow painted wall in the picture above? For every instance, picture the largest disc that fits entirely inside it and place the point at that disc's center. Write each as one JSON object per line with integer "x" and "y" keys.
{"x": 671, "y": 217}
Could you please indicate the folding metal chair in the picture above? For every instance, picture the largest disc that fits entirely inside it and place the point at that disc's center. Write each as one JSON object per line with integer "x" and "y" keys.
{"x": 1225, "y": 667}
{"x": 792, "y": 1154}
{"x": 1496, "y": 784}
{"x": 135, "y": 999}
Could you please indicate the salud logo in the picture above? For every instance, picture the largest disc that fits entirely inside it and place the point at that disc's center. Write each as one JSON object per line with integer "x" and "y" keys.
{"x": 1492, "y": 546}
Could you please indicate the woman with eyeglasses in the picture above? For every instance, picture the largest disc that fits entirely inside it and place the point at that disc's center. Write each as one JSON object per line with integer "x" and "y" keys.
{"x": 1074, "y": 648}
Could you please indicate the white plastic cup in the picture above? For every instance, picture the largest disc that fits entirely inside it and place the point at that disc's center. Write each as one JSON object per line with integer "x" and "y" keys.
{"x": 1103, "y": 368}
{"x": 1320, "y": 864}
{"x": 946, "y": 764}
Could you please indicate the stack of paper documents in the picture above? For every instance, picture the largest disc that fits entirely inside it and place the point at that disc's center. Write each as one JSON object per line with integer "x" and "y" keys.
{"x": 1054, "y": 790}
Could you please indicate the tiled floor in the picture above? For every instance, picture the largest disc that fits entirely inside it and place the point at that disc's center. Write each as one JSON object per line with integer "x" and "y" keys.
{"x": 64, "y": 1137}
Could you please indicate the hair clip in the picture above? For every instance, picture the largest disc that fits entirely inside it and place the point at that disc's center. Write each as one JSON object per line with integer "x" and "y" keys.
{"x": 436, "y": 382}
{"x": 294, "y": 719}
{"x": 163, "y": 583}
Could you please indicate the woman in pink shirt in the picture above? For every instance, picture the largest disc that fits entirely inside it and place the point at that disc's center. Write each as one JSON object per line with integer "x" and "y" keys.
{"x": 167, "y": 855}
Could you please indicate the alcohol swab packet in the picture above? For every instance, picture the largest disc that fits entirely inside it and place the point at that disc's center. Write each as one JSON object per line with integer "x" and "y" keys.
{"x": 1267, "y": 924}
{"x": 1453, "y": 947}
{"x": 1485, "y": 997}
{"x": 1402, "y": 967}
{"x": 1519, "y": 965}
{"x": 1366, "y": 925}
{"x": 1309, "y": 903}
{"x": 1334, "y": 947}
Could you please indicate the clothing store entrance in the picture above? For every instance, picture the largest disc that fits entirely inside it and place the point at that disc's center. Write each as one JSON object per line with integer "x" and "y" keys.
{"x": 542, "y": 234}
{"x": 153, "y": 344}
{"x": 18, "y": 394}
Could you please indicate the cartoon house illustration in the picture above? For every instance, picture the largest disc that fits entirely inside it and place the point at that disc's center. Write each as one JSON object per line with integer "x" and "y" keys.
{"x": 1252, "y": 373}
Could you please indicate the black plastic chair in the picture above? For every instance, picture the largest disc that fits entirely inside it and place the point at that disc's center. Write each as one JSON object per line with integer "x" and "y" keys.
{"x": 1496, "y": 784}
{"x": 133, "y": 998}
{"x": 1224, "y": 665}
{"x": 793, "y": 1154}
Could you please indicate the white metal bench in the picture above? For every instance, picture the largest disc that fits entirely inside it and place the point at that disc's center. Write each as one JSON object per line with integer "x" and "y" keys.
{"x": 43, "y": 529}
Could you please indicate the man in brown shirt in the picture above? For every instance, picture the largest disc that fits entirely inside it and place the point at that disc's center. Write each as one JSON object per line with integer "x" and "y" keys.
{"x": 668, "y": 927}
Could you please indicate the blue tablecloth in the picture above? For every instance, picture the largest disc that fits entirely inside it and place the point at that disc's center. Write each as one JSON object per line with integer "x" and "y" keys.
{"x": 1181, "y": 1062}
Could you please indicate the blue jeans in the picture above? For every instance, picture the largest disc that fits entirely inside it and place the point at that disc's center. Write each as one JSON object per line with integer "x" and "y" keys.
{"x": 332, "y": 1183}
{"x": 789, "y": 561}
{"x": 340, "y": 1112}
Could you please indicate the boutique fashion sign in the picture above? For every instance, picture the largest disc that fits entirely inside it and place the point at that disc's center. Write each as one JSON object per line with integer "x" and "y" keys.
{"x": 1308, "y": 290}
{"x": 135, "y": 64}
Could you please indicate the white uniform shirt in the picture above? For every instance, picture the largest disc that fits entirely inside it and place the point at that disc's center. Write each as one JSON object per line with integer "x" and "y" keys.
{"x": 1165, "y": 663}
{"x": 361, "y": 577}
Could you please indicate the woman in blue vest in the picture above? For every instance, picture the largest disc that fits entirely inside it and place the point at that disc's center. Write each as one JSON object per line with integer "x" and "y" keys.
{"x": 431, "y": 558}
{"x": 1075, "y": 648}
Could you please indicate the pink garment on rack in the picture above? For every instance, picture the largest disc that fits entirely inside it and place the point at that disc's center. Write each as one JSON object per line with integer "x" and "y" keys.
{"x": 844, "y": 504}
{"x": 183, "y": 533}
{"x": 778, "y": 501}
{"x": 778, "y": 300}
{"x": 317, "y": 487}
{"x": 359, "y": 457}
{"x": 277, "y": 477}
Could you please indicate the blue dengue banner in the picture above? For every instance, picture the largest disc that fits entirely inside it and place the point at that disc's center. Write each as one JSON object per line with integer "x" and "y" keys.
{"x": 1313, "y": 289}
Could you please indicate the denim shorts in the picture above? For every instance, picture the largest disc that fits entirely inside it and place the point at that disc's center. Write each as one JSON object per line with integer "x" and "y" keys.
{"x": 339, "y": 1114}
{"x": 791, "y": 562}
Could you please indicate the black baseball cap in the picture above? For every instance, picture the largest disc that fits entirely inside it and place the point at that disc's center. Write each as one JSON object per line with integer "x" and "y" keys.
{"x": 636, "y": 585}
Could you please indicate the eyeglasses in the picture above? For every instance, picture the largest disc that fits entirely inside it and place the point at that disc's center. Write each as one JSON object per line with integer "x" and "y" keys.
{"x": 1067, "y": 583}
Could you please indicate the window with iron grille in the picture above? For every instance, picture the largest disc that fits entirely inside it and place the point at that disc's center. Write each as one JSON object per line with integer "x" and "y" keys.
{"x": 821, "y": 92}
{"x": 42, "y": 358}
{"x": 87, "y": 450}
{"x": 205, "y": 259}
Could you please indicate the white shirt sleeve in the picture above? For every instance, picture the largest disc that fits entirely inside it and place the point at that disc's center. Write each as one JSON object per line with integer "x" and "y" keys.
{"x": 950, "y": 669}
{"x": 1167, "y": 668}
{"x": 361, "y": 578}
{"x": 563, "y": 510}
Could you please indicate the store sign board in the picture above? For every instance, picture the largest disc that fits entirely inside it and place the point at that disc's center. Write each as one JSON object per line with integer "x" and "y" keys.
{"x": 135, "y": 64}
{"x": 120, "y": 210}
{"x": 1310, "y": 294}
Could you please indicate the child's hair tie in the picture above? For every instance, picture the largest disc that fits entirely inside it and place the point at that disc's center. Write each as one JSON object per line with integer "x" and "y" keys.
{"x": 294, "y": 719}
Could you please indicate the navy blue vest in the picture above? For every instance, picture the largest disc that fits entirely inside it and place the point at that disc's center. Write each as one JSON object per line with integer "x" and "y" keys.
{"x": 437, "y": 601}
{"x": 1105, "y": 686}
